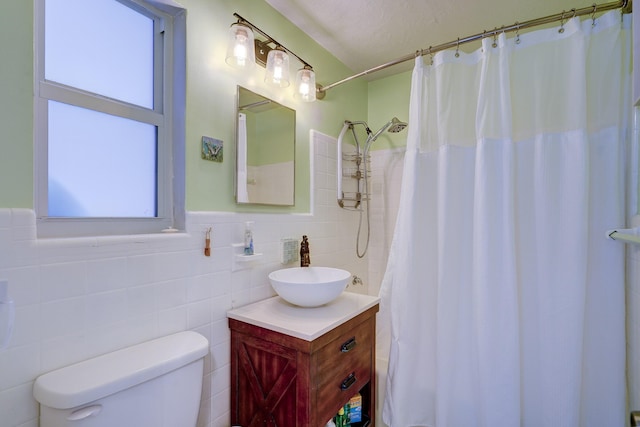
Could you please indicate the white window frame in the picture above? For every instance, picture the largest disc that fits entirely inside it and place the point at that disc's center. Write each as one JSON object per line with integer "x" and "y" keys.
{"x": 168, "y": 115}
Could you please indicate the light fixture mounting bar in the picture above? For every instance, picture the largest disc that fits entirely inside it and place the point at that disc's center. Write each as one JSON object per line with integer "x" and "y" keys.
{"x": 270, "y": 39}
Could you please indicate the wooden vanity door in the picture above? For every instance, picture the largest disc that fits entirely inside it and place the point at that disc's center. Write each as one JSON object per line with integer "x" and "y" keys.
{"x": 267, "y": 384}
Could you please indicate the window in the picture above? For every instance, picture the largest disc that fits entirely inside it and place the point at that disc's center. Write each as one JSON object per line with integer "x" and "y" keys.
{"x": 110, "y": 88}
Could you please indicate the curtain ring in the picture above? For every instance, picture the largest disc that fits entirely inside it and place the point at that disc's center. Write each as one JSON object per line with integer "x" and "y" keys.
{"x": 593, "y": 15}
{"x": 431, "y": 55}
{"x": 458, "y": 48}
{"x": 495, "y": 38}
{"x": 517, "y": 33}
{"x": 574, "y": 12}
{"x": 561, "y": 30}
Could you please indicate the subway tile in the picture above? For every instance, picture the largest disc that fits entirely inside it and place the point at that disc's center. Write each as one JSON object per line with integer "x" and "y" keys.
{"x": 17, "y": 405}
{"x": 23, "y": 365}
{"x": 62, "y": 351}
{"x": 141, "y": 328}
{"x": 106, "y": 274}
{"x": 220, "y": 378}
{"x": 172, "y": 265}
{"x": 140, "y": 269}
{"x": 26, "y": 328}
{"x": 63, "y": 317}
{"x": 221, "y": 405}
{"x": 172, "y": 320}
{"x": 57, "y": 251}
{"x": 140, "y": 301}
{"x": 65, "y": 280}
{"x": 220, "y": 332}
{"x": 5, "y": 248}
{"x": 220, "y": 283}
{"x": 31, "y": 423}
{"x": 22, "y": 217}
{"x": 105, "y": 308}
{"x": 6, "y": 220}
{"x": 24, "y": 285}
{"x": 219, "y": 307}
{"x": 199, "y": 287}
{"x": 22, "y": 253}
{"x": 170, "y": 294}
{"x": 199, "y": 313}
{"x": 106, "y": 338}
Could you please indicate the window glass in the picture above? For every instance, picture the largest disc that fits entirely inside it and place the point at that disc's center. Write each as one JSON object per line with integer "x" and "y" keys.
{"x": 100, "y": 46}
{"x": 100, "y": 165}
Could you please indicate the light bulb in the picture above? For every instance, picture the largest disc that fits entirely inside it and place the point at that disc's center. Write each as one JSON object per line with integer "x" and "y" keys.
{"x": 305, "y": 88}
{"x": 277, "y": 73}
{"x": 240, "y": 49}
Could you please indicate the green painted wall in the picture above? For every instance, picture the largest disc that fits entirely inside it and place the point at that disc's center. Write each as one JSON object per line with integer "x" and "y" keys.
{"x": 211, "y": 101}
{"x": 388, "y": 98}
{"x": 16, "y": 104}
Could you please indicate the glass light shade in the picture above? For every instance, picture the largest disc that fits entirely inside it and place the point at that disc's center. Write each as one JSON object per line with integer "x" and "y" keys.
{"x": 277, "y": 68}
{"x": 305, "y": 88}
{"x": 240, "y": 48}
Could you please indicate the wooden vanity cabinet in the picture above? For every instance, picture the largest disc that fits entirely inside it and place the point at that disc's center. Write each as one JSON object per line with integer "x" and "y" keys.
{"x": 278, "y": 380}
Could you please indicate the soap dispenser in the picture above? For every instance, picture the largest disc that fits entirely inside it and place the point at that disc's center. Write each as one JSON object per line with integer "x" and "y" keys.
{"x": 248, "y": 238}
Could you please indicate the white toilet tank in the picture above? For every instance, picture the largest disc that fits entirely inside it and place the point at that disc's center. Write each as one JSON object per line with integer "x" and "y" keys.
{"x": 154, "y": 384}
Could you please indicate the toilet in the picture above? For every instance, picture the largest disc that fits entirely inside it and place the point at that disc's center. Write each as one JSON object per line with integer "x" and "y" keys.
{"x": 156, "y": 384}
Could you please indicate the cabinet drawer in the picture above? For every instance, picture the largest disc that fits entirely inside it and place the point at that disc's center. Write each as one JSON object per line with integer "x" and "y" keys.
{"x": 341, "y": 354}
{"x": 338, "y": 389}
{"x": 344, "y": 366}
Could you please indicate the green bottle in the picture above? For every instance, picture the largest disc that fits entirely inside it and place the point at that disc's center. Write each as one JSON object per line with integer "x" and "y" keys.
{"x": 340, "y": 418}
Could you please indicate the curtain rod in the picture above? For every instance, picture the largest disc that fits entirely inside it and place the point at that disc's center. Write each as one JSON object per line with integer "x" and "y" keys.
{"x": 625, "y": 5}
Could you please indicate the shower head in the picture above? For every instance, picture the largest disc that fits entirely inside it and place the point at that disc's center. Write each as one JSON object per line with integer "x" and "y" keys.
{"x": 394, "y": 126}
{"x": 397, "y": 126}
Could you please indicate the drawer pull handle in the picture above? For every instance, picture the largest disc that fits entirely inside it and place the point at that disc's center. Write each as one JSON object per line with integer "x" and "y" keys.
{"x": 348, "y": 345}
{"x": 348, "y": 382}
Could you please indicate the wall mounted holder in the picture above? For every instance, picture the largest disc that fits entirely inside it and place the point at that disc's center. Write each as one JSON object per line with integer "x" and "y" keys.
{"x": 242, "y": 261}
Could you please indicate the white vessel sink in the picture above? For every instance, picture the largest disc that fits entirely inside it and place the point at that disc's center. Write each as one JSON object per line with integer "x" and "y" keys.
{"x": 309, "y": 286}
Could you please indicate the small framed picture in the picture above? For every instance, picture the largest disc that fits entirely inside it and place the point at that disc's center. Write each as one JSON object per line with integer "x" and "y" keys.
{"x": 212, "y": 149}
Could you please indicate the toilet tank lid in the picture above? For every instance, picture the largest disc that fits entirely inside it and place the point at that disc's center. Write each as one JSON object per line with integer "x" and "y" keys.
{"x": 110, "y": 373}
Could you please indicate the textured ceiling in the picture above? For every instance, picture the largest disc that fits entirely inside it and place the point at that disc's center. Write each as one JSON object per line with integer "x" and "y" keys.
{"x": 366, "y": 33}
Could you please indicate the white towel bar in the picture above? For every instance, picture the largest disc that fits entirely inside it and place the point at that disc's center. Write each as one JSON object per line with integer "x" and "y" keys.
{"x": 627, "y": 235}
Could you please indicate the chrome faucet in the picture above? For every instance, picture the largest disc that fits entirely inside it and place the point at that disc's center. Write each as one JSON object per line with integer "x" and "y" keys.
{"x": 305, "y": 259}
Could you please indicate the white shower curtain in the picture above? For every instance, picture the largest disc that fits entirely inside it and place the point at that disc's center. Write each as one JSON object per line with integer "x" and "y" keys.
{"x": 505, "y": 298}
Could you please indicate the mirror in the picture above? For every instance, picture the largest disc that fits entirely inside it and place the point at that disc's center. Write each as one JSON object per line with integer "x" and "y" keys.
{"x": 265, "y": 150}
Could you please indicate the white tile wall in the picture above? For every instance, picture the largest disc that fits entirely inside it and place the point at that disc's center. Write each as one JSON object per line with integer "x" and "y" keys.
{"x": 78, "y": 298}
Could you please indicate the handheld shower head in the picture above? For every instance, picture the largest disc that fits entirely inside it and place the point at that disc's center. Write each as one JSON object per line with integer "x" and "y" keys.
{"x": 397, "y": 125}
{"x": 394, "y": 126}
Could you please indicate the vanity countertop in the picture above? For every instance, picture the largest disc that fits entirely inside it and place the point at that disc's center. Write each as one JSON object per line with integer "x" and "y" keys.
{"x": 307, "y": 323}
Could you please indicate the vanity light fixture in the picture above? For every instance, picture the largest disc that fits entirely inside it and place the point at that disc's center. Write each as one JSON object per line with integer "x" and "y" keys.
{"x": 244, "y": 50}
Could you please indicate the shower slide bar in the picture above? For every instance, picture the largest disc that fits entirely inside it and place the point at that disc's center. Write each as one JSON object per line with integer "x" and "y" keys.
{"x": 626, "y": 235}
{"x": 625, "y": 5}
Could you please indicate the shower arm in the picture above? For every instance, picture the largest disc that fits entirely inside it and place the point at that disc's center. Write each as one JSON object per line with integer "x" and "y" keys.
{"x": 625, "y": 5}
